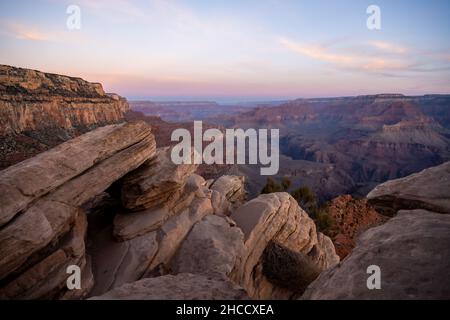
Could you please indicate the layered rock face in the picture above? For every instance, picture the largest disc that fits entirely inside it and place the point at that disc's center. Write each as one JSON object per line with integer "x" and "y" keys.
{"x": 411, "y": 249}
{"x": 167, "y": 216}
{"x": 42, "y": 226}
{"x": 137, "y": 225}
{"x": 40, "y": 110}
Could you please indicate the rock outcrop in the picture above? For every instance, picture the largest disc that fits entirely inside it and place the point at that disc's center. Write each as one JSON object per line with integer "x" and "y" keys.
{"x": 428, "y": 189}
{"x": 228, "y": 193}
{"x": 410, "y": 250}
{"x": 212, "y": 247}
{"x": 41, "y": 199}
{"x": 143, "y": 243}
{"x": 47, "y": 278}
{"x": 155, "y": 182}
{"x": 40, "y": 110}
{"x": 277, "y": 218}
{"x": 412, "y": 253}
{"x": 183, "y": 286}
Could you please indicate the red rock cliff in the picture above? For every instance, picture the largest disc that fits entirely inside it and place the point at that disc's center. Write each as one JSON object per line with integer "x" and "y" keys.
{"x": 33, "y": 100}
{"x": 40, "y": 110}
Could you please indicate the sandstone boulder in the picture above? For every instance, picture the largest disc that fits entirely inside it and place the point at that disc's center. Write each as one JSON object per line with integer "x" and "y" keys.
{"x": 428, "y": 189}
{"x": 23, "y": 183}
{"x": 412, "y": 253}
{"x": 128, "y": 225}
{"x": 276, "y": 217}
{"x": 183, "y": 286}
{"x": 211, "y": 247}
{"x": 175, "y": 230}
{"x": 116, "y": 263}
{"x": 155, "y": 182}
{"x": 47, "y": 278}
{"x": 45, "y": 218}
{"x": 142, "y": 252}
{"x": 232, "y": 187}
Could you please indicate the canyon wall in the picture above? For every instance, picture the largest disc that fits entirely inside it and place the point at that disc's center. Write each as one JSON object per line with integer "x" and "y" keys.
{"x": 40, "y": 110}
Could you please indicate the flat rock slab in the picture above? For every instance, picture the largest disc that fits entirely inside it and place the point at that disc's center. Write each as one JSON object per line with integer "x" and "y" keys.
{"x": 428, "y": 189}
{"x": 412, "y": 251}
{"x": 24, "y": 182}
{"x": 154, "y": 182}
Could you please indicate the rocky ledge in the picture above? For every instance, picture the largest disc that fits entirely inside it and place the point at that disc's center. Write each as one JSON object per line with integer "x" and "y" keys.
{"x": 138, "y": 226}
{"x": 410, "y": 250}
{"x": 428, "y": 189}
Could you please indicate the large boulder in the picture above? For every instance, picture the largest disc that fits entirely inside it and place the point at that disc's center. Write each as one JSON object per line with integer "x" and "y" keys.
{"x": 26, "y": 181}
{"x": 428, "y": 189}
{"x": 212, "y": 247}
{"x": 128, "y": 225}
{"x": 277, "y": 218}
{"x": 116, "y": 263}
{"x": 145, "y": 253}
{"x": 156, "y": 182}
{"x": 45, "y": 210}
{"x": 47, "y": 278}
{"x": 228, "y": 193}
{"x": 183, "y": 286}
{"x": 412, "y": 252}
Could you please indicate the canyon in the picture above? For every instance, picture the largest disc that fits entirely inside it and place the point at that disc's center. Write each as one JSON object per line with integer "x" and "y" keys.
{"x": 355, "y": 143}
{"x": 106, "y": 197}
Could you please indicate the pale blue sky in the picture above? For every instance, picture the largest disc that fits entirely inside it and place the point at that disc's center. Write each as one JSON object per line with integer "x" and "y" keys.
{"x": 250, "y": 49}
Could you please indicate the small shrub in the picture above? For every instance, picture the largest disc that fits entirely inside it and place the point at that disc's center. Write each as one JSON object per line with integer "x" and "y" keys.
{"x": 288, "y": 269}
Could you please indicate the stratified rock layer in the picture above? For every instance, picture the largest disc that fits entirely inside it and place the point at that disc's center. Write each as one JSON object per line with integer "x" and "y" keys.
{"x": 155, "y": 182}
{"x": 23, "y": 183}
{"x": 45, "y": 209}
{"x": 31, "y": 100}
{"x": 41, "y": 110}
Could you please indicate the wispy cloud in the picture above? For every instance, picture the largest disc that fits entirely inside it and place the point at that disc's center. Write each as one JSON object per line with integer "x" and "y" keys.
{"x": 388, "y": 47}
{"x": 22, "y": 31}
{"x": 316, "y": 52}
{"x": 388, "y": 60}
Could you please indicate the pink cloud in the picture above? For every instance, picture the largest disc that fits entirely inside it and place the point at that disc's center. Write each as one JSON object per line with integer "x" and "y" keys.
{"x": 388, "y": 47}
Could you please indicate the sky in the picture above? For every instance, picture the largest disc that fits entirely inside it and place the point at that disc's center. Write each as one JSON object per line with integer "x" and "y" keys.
{"x": 234, "y": 50}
